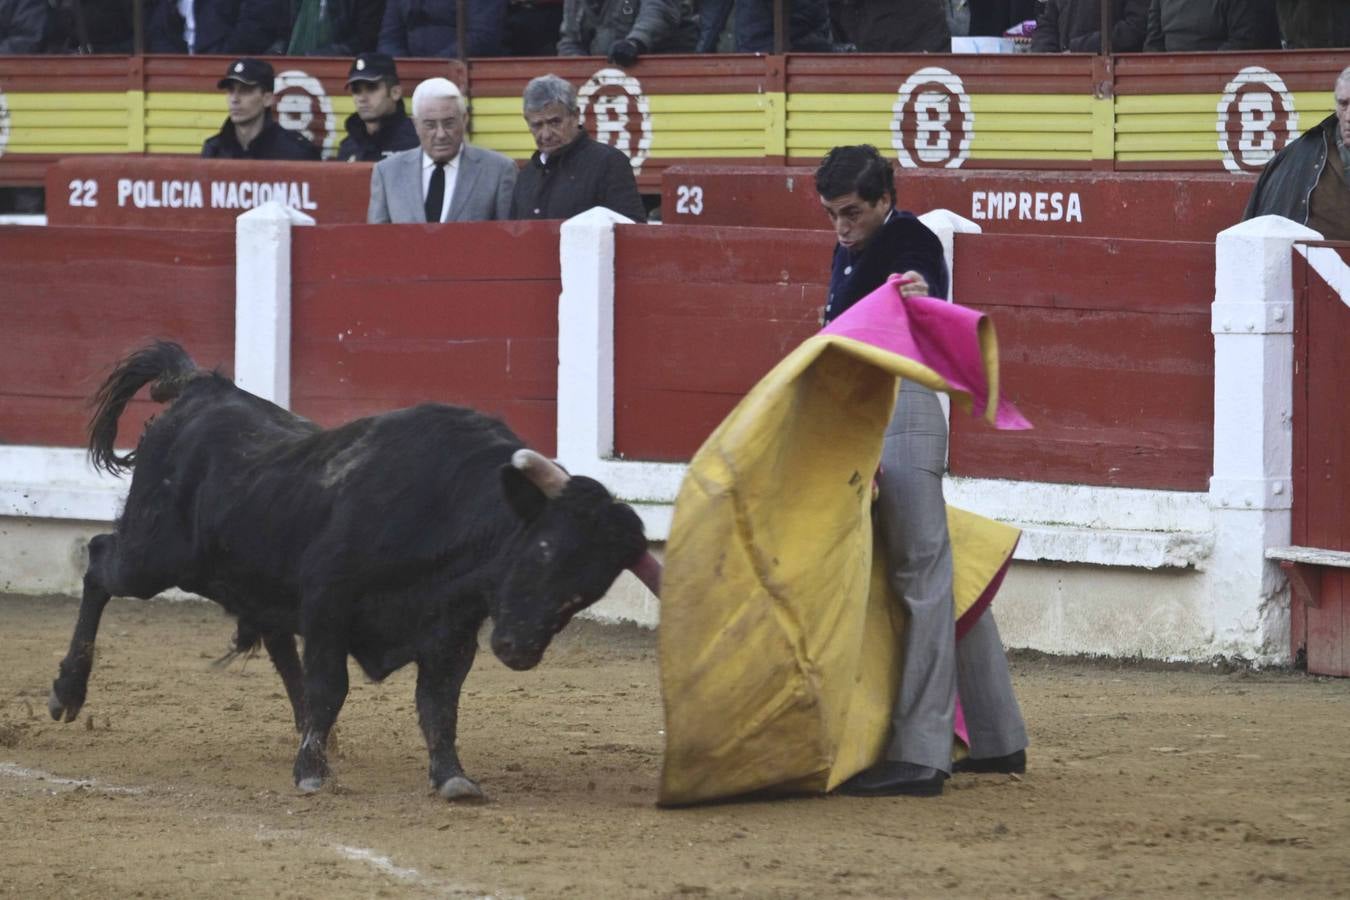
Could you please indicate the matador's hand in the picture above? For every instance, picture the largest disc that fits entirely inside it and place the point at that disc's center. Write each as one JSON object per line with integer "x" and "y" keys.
{"x": 913, "y": 285}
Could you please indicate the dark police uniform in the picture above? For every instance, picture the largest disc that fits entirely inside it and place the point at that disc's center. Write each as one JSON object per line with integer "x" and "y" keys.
{"x": 273, "y": 142}
{"x": 396, "y": 130}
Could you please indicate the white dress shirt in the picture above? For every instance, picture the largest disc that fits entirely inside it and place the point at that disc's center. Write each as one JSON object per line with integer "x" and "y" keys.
{"x": 189, "y": 24}
{"x": 451, "y": 173}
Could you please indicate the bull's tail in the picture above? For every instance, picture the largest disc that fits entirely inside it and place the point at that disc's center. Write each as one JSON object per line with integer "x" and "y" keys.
{"x": 165, "y": 366}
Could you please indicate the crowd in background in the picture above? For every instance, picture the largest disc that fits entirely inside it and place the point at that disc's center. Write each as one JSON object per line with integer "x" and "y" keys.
{"x": 625, "y": 30}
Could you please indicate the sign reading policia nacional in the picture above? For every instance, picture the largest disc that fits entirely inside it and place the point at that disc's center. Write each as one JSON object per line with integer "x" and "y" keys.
{"x": 200, "y": 193}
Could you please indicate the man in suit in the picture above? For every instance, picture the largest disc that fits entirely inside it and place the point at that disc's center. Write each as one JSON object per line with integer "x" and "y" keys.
{"x": 445, "y": 179}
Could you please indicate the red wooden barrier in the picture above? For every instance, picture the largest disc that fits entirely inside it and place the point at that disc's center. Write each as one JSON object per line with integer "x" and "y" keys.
{"x": 385, "y": 316}
{"x": 74, "y": 300}
{"x": 1321, "y": 463}
{"x": 1113, "y": 365}
{"x": 1191, "y": 207}
{"x": 700, "y": 314}
{"x": 1116, "y": 373}
{"x": 185, "y": 192}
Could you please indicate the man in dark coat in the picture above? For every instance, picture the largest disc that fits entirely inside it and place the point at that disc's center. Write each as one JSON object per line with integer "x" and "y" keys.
{"x": 808, "y": 26}
{"x": 569, "y": 173}
{"x": 225, "y": 27}
{"x": 430, "y": 28}
{"x": 993, "y": 17}
{"x": 1309, "y": 180}
{"x": 1314, "y": 23}
{"x": 23, "y": 25}
{"x": 380, "y": 126}
{"x": 624, "y": 30}
{"x": 1075, "y": 26}
{"x": 884, "y": 26}
{"x": 250, "y": 132}
{"x": 1181, "y": 25}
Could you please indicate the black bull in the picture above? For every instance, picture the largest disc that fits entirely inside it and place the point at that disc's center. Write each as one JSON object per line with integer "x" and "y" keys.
{"x": 389, "y": 539}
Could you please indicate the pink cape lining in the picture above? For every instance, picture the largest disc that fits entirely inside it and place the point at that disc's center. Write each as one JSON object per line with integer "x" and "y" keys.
{"x": 940, "y": 335}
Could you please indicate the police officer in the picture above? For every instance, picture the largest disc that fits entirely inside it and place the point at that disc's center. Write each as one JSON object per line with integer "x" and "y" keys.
{"x": 380, "y": 126}
{"x": 250, "y": 132}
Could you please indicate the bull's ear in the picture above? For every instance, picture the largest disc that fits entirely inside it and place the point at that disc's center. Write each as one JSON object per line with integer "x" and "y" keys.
{"x": 521, "y": 493}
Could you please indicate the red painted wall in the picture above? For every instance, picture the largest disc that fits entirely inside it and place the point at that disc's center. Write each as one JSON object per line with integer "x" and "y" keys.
{"x": 1105, "y": 346}
{"x": 700, "y": 314}
{"x": 1321, "y": 505}
{"x": 1116, "y": 373}
{"x": 1193, "y": 206}
{"x": 75, "y": 300}
{"x": 385, "y": 316}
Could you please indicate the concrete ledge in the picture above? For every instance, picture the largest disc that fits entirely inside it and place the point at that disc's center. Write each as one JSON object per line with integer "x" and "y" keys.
{"x": 57, "y": 483}
{"x": 1131, "y": 549}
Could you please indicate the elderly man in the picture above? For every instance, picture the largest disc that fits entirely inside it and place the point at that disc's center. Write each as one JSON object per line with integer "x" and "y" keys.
{"x": 379, "y": 127}
{"x": 250, "y": 132}
{"x": 569, "y": 172}
{"x": 1309, "y": 181}
{"x": 445, "y": 179}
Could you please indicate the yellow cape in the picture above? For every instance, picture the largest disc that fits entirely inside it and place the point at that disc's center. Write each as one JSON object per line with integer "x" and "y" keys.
{"x": 779, "y": 640}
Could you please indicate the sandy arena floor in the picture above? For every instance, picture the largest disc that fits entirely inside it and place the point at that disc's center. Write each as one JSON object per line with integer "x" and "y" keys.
{"x": 175, "y": 782}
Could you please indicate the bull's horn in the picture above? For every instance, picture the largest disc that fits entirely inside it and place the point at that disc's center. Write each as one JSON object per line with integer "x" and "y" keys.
{"x": 547, "y": 475}
{"x": 648, "y": 571}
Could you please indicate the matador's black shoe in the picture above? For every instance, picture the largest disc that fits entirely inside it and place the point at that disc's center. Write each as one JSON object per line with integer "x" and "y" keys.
{"x": 1013, "y": 764}
{"x": 894, "y": 779}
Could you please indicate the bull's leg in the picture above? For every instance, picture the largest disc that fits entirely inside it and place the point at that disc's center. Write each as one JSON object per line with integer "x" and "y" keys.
{"x": 72, "y": 681}
{"x": 439, "y": 681}
{"x": 281, "y": 649}
{"x": 325, "y": 685}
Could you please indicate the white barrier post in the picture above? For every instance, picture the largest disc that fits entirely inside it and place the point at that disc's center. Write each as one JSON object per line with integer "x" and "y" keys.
{"x": 1250, "y": 491}
{"x": 586, "y": 341}
{"x": 947, "y": 225}
{"x": 262, "y": 300}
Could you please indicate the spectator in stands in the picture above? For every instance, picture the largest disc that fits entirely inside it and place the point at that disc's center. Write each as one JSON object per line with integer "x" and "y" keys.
{"x": 1314, "y": 23}
{"x": 380, "y": 127}
{"x": 808, "y": 26}
{"x": 90, "y": 26}
{"x": 532, "y": 27}
{"x": 1180, "y": 25}
{"x": 884, "y": 26}
{"x": 250, "y": 132}
{"x": 624, "y": 31}
{"x": 569, "y": 173}
{"x": 226, "y": 27}
{"x": 1075, "y": 26}
{"x": 958, "y": 17}
{"x": 1309, "y": 180}
{"x": 444, "y": 179}
{"x": 335, "y": 27}
{"x": 429, "y": 28}
{"x": 23, "y": 25}
{"x": 993, "y": 17}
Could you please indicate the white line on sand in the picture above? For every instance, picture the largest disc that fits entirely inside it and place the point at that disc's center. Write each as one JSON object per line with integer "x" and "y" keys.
{"x": 10, "y": 770}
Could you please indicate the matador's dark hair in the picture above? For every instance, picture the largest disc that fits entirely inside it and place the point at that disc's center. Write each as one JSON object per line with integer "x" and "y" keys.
{"x": 859, "y": 168}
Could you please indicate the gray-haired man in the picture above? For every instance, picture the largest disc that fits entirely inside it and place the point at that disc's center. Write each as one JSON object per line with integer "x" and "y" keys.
{"x": 569, "y": 173}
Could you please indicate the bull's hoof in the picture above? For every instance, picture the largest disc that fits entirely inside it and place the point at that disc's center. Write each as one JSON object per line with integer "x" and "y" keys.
{"x": 59, "y": 708}
{"x": 460, "y": 787}
{"x": 310, "y": 785}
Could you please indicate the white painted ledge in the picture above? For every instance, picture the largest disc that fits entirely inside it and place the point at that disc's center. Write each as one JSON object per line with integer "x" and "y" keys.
{"x": 23, "y": 219}
{"x": 57, "y": 483}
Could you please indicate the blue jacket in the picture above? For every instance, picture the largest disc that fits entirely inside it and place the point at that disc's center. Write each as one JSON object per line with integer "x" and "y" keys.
{"x": 428, "y": 28}
{"x": 225, "y": 27}
{"x": 902, "y": 244}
